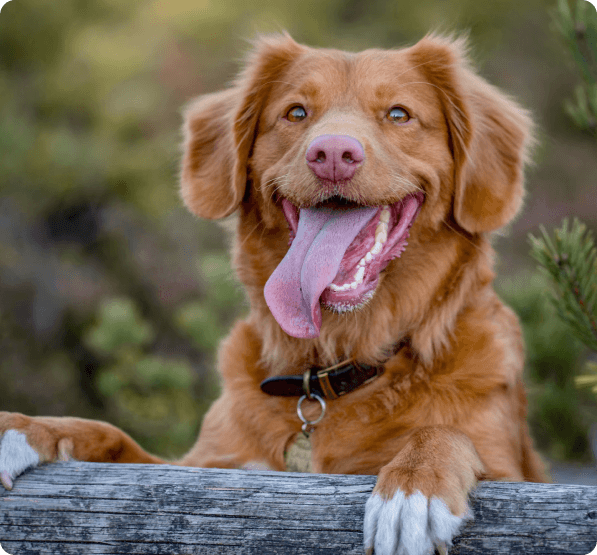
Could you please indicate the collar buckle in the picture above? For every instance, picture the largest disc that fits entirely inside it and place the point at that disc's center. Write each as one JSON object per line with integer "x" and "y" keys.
{"x": 325, "y": 383}
{"x": 323, "y": 376}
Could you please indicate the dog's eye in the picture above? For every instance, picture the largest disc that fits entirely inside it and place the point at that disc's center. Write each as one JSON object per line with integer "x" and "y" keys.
{"x": 398, "y": 115}
{"x": 296, "y": 113}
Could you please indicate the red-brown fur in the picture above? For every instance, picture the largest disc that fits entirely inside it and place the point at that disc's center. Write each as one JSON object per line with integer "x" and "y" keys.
{"x": 450, "y": 407}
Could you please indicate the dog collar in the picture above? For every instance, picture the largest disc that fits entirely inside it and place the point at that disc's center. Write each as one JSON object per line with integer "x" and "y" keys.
{"x": 329, "y": 382}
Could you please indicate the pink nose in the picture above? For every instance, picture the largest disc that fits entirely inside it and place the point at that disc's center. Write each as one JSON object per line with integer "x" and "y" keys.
{"x": 335, "y": 157}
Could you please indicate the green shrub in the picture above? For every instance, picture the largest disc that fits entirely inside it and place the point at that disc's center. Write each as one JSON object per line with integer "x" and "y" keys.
{"x": 559, "y": 415}
{"x": 152, "y": 397}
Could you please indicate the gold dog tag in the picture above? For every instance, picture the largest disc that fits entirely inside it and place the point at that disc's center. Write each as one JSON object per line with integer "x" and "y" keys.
{"x": 298, "y": 456}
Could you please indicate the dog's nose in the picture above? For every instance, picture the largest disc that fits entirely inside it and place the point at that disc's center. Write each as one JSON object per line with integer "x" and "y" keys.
{"x": 335, "y": 157}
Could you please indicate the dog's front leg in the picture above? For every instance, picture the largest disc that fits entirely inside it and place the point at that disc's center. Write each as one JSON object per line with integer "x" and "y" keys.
{"x": 26, "y": 442}
{"x": 421, "y": 497}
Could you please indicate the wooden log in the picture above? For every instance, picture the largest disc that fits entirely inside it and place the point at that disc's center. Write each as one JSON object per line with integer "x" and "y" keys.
{"x": 87, "y": 509}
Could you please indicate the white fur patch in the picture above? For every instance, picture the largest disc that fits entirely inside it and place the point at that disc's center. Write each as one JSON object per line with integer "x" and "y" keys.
{"x": 408, "y": 525}
{"x": 16, "y": 455}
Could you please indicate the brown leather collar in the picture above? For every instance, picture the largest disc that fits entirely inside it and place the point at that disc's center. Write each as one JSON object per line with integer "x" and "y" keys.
{"x": 329, "y": 382}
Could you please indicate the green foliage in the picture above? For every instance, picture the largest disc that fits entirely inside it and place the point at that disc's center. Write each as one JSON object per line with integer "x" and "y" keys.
{"x": 78, "y": 105}
{"x": 583, "y": 111}
{"x": 145, "y": 374}
{"x": 559, "y": 423}
{"x": 151, "y": 397}
{"x": 225, "y": 293}
{"x": 119, "y": 326}
{"x": 568, "y": 265}
{"x": 206, "y": 320}
{"x": 200, "y": 324}
{"x": 558, "y": 415}
{"x": 551, "y": 350}
{"x": 569, "y": 259}
{"x": 576, "y": 22}
{"x": 144, "y": 393}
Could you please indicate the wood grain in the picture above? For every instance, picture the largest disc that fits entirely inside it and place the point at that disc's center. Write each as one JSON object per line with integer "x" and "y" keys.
{"x": 85, "y": 508}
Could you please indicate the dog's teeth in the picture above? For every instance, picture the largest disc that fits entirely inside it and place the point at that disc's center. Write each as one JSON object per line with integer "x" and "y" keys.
{"x": 368, "y": 257}
{"x": 381, "y": 232}
{"x": 381, "y": 237}
{"x": 385, "y": 216}
{"x": 334, "y": 287}
{"x": 376, "y": 248}
{"x": 353, "y": 285}
{"x": 358, "y": 277}
{"x": 362, "y": 261}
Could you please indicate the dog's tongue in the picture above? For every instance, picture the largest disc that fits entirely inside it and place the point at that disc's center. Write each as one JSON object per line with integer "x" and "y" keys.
{"x": 310, "y": 265}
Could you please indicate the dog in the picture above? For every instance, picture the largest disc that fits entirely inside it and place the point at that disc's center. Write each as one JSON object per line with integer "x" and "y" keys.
{"x": 365, "y": 188}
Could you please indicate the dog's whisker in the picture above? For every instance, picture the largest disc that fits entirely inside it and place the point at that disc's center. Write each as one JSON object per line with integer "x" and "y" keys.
{"x": 403, "y": 185}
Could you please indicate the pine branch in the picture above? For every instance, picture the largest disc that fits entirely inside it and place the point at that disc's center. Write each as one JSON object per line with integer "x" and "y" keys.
{"x": 570, "y": 262}
{"x": 577, "y": 25}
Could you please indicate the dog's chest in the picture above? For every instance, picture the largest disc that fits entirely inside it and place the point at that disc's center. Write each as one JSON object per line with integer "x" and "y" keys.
{"x": 350, "y": 438}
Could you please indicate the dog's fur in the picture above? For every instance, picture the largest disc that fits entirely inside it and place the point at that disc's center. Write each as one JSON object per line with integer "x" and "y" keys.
{"x": 450, "y": 407}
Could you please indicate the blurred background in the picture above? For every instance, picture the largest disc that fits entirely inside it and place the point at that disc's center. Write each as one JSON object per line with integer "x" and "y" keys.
{"x": 113, "y": 298}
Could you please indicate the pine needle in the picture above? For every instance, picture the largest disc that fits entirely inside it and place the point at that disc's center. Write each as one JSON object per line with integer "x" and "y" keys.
{"x": 569, "y": 260}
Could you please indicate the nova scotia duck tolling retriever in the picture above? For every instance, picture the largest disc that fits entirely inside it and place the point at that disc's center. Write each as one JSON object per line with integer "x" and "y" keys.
{"x": 364, "y": 189}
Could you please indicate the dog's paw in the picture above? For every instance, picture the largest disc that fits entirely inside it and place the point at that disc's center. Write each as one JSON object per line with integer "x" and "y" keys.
{"x": 18, "y": 452}
{"x": 409, "y": 525}
{"x": 420, "y": 500}
{"x": 16, "y": 456}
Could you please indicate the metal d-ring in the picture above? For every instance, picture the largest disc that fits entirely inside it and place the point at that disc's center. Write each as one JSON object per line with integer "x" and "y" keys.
{"x": 308, "y": 424}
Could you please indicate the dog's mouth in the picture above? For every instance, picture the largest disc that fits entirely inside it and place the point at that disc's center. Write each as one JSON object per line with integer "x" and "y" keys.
{"x": 337, "y": 252}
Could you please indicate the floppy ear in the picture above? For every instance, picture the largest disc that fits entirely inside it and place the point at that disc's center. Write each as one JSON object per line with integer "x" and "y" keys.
{"x": 220, "y": 128}
{"x": 490, "y": 135}
{"x": 209, "y": 183}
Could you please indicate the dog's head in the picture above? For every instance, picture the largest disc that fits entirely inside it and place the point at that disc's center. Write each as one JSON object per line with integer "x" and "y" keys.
{"x": 335, "y": 156}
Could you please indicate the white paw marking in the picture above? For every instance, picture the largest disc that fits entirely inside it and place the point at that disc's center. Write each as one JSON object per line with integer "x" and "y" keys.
{"x": 16, "y": 455}
{"x": 408, "y": 525}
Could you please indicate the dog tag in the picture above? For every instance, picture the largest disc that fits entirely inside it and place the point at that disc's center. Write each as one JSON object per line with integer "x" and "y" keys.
{"x": 298, "y": 456}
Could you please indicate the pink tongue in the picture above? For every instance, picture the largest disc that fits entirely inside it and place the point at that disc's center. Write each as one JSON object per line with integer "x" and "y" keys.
{"x": 310, "y": 265}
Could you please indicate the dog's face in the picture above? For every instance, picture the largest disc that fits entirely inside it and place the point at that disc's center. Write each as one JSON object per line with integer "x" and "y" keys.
{"x": 371, "y": 117}
{"x": 346, "y": 152}
{"x": 345, "y": 145}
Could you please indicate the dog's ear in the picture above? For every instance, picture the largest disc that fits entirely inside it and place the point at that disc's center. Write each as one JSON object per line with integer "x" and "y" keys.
{"x": 220, "y": 128}
{"x": 209, "y": 184}
{"x": 490, "y": 137}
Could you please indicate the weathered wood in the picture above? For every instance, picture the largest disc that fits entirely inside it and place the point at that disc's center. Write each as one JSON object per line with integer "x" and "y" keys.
{"x": 84, "y": 508}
